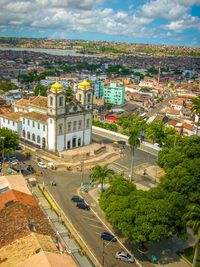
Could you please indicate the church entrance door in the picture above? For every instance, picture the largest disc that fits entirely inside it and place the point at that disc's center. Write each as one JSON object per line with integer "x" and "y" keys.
{"x": 74, "y": 142}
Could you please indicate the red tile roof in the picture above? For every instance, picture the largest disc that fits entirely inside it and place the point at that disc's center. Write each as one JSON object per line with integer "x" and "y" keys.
{"x": 189, "y": 127}
{"x": 13, "y": 195}
{"x": 15, "y": 221}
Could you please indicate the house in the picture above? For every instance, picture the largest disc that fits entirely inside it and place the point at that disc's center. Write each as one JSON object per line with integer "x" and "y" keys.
{"x": 177, "y": 103}
{"x": 189, "y": 129}
{"x": 26, "y": 237}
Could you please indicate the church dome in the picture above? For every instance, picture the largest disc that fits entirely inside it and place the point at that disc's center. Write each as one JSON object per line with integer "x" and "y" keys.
{"x": 84, "y": 85}
{"x": 56, "y": 87}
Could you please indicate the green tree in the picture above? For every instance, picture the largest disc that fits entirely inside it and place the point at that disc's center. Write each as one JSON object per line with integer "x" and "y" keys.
{"x": 101, "y": 173}
{"x": 158, "y": 132}
{"x": 40, "y": 90}
{"x": 193, "y": 220}
{"x": 196, "y": 110}
{"x": 6, "y": 86}
{"x": 10, "y": 140}
{"x": 69, "y": 94}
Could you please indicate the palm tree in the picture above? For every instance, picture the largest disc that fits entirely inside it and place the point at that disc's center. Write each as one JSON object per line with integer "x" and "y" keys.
{"x": 133, "y": 142}
{"x": 196, "y": 109}
{"x": 193, "y": 221}
{"x": 101, "y": 173}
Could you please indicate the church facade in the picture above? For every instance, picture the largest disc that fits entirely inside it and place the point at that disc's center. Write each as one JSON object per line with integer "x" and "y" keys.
{"x": 52, "y": 123}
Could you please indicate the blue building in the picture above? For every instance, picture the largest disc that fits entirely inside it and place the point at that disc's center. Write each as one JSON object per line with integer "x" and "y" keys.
{"x": 98, "y": 89}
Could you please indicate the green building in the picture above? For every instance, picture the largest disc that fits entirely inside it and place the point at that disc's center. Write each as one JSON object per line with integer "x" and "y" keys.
{"x": 114, "y": 94}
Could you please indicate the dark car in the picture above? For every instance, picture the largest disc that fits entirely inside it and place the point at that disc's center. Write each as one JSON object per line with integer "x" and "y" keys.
{"x": 109, "y": 237}
{"x": 77, "y": 199}
{"x": 83, "y": 206}
{"x": 121, "y": 142}
{"x": 25, "y": 173}
{"x": 31, "y": 169}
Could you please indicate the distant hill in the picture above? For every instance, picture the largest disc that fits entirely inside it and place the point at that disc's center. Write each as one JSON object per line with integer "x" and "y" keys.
{"x": 97, "y": 47}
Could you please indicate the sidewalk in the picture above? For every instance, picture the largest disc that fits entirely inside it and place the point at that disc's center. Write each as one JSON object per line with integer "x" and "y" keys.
{"x": 109, "y": 156}
{"x": 72, "y": 247}
{"x": 166, "y": 250}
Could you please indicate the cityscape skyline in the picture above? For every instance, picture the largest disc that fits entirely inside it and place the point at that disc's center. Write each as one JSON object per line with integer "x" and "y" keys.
{"x": 155, "y": 22}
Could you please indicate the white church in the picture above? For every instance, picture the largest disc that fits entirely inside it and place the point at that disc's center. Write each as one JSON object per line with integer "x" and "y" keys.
{"x": 52, "y": 123}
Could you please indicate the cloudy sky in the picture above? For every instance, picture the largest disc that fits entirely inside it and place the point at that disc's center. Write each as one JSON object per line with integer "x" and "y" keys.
{"x": 138, "y": 21}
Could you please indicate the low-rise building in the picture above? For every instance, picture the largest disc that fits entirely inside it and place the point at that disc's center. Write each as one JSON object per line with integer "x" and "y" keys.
{"x": 114, "y": 94}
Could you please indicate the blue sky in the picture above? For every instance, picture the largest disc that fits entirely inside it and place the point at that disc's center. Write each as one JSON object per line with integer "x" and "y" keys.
{"x": 171, "y": 22}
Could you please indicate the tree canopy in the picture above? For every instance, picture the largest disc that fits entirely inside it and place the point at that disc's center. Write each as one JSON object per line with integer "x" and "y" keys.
{"x": 143, "y": 216}
{"x": 6, "y": 86}
{"x": 9, "y": 140}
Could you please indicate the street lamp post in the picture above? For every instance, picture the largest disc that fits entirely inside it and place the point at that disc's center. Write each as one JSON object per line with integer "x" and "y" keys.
{"x": 103, "y": 255}
{"x": 103, "y": 251}
{"x": 2, "y": 138}
{"x": 82, "y": 171}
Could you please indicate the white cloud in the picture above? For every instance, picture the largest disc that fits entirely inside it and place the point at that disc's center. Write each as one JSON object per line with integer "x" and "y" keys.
{"x": 186, "y": 23}
{"x": 83, "y": 16}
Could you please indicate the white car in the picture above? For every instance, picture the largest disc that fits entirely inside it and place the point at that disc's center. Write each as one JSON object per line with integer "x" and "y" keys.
{"x": 42, "y": 165}
{"x": 124, "y": 256}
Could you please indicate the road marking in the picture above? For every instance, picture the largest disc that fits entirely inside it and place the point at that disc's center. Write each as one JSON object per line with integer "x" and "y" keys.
{"x": 75, "y": 230}
{"x": 97, "y": 233}
{"x": 96, "y": 226}
{"x": 136, "y": 261}
{"x": 120, "y": 165}
{"x": 90, "y": 219}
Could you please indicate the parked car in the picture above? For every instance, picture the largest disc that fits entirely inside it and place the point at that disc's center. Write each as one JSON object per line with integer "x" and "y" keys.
{"x": 124, "y": 256}
{"x": 77, "y": 199}
{"x": 109, "y": 237}
{"x": 42, "y": 165}
{"x": 25, "y": 172}
{"x": 83, "y": 206}
{"x": 121, "y": 142}
{"x": 31, "y": 169}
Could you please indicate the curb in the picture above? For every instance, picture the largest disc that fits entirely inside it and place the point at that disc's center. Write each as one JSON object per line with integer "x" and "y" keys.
{"x": 70, "y": 227}
{"x": 98, "y": 216}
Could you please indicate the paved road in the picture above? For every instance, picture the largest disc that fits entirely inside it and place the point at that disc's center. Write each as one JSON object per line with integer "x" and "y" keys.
{"x": 87, "y": 224}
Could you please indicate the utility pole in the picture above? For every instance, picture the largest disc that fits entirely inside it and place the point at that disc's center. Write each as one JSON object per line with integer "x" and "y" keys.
{"x": 103, "y": 256}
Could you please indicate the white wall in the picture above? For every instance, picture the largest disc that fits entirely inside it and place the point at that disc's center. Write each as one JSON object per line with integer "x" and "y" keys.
{"x": 36, "y": 109}
{"x": 51, "y": 134}
{"x": 4, "y": 124}
{"x": 35, "y": 130}
{"x": 60, "y": 143}
{"x": 88, "y": 136}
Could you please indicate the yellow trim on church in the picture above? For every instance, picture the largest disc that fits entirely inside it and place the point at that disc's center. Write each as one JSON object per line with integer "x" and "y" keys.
{"x": 56, "y": 87}
{"x": 85, "y": 85}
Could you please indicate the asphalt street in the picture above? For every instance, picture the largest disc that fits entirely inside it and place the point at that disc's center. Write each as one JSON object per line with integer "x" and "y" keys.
{"x": 86, "y": 223}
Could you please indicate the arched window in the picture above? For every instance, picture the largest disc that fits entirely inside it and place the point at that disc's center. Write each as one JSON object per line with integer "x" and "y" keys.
{"x": 28, "y": 135}
{"x": 51, "y": 100}
{"x": 60, "y": 101}
{"x": 24, "y": 133}
{"x": 89, "y": 98}
{"x": 60, "y": 128}
{"x": 38, "y": 139}
{"x": 43, "y": 142}
{"x": 88, "y": 123}
{"x": 33, "y": 137}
